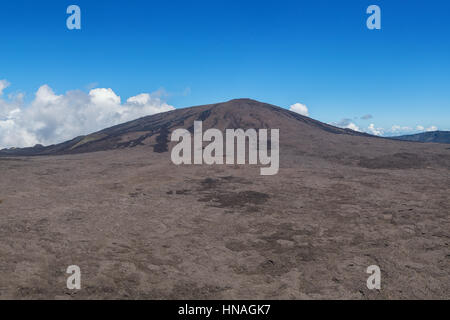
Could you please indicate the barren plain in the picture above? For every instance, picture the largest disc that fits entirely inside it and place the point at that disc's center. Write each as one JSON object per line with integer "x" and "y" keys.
{"x": 140, "y": 227}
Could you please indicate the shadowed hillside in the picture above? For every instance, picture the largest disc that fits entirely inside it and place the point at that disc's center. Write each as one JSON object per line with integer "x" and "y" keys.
{"x": 435, "y": 136}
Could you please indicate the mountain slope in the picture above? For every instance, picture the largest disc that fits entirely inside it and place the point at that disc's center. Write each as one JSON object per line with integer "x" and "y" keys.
{"x": 154, "y": 131}
{"x": 435, "y": 136}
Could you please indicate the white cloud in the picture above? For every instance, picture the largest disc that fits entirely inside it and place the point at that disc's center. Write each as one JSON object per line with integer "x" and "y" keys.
{"x": 375, "y": 131}
{"x": 397, "y": 128}
{"x": 353, "y": 127}
{"x": 420, "y": 128}
{"x": 104, "y": 97}
{"x": 300, "y": 109}
{"x": 401, "y": 130}
{"x": 52, "y": 118}
{"x": 3, "y": 85}
{"x": 347, "y": 124}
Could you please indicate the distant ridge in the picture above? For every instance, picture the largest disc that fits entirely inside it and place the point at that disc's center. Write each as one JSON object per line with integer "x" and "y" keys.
{"x": 434, "y": 136}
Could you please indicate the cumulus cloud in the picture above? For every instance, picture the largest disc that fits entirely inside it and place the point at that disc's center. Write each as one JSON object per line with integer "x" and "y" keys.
{"x": 397, "y": 128}
{"x": 353, "y": 127}
{"x": 347, "y": 124}
{"x": 367, "y": 117}
{"x": 300, "y": 109}
{"x": 432, "y": 128}
{"x": 401, "y": 130}
{"x": 375, "y": 131}
{"x": 52, "y": 118}
{"x": 429, "y": 129}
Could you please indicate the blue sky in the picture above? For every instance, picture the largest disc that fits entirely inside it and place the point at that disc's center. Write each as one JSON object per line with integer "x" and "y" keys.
{"x": 318, "y": 53}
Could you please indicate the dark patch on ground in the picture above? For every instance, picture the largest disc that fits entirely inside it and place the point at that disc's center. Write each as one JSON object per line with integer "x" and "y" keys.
{"x": 162, "y": 141}
{"x": 16, "y": 159}
{"x": 135, "y": 142}
{"x": 179, "y": 192}
{"x": 442, "y": 160}
{"x": 232, "y": 179}
{"x": 218, "y": 196}
{"x": 275, "y": 268}
{"x": 184, "y": 191}
{"x": 134, "y": 194}
{"x": 204, "y": 115}
{"x": 235, "y": 199}
{"x": 211, "y": 183}
{"x": 396, "y": 161}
